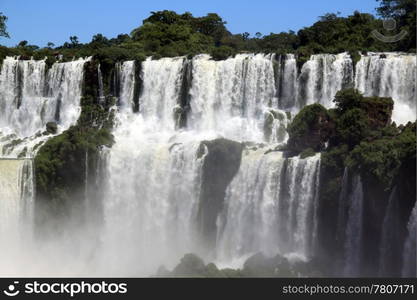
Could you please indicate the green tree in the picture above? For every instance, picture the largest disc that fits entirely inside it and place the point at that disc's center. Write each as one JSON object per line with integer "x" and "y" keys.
{"x": 74, "y": 41}
{"x": 3, "y": 27}
{"x": 404, "y": 12}
{"x": 22, "y": 44}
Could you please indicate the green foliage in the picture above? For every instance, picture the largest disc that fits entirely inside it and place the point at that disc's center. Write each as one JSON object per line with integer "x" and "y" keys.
{"x": 58, "y": 163}
{"x": 360, "y": 135}
{"x": 307, "y": 153}
{"x": 359, "y": 118}
{"x": 352, "y": 126}
{"x": 333, "y": 159}
{"x": 337, "y": 34}
{"x": 404, "y": 12}
{"x": 3, "y": 27}
{"x": 309, "y": 129}
{"x": 382, "y": 158}
{"x": 347, "y": 99}
{"x": 305, "y": 119}
{"x": 221, "y": 52}
{"x": 355, "y": 56}
{"x": 166, "y": 34}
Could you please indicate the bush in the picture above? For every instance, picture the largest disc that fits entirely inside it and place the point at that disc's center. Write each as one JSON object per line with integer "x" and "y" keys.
{"x": 221, "y": 53}
{"x": 310, "y": 128}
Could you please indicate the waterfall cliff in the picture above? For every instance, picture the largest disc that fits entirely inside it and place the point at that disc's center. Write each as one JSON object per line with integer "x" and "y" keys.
{"x": 196, "y": 165}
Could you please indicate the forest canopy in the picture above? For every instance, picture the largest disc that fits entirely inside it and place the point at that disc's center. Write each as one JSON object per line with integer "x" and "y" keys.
{"x": 166, "y": 34}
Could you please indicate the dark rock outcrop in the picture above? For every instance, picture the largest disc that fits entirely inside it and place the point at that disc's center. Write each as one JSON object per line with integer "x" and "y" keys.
{"x": 220, "y": 165}
{"x": 51, "y": 127}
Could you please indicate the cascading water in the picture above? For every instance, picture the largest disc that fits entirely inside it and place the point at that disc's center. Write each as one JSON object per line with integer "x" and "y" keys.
{"x": 230, "y": 98}
{"x": 127, "y": 86}
{"x": 16, "y": 194}
{"x": 342, "y": 207}
{"x": 162, "y": 81}
{"x": 270, "y": 207}
{"x": 157, "y": 168}
{"x": 322, "y": 76}
{"x": 390, "y": 75}
{"x": 353, "y": 240}
{"x": 16, "y": 207}
{"x": 375, "y": 74}
{"x": 30, "y": 97}
{"x": 153, "y": 172}
{"x": 409, "y": 267}
{"x": 286, "y": 81}
{"x": 389, "y": 235}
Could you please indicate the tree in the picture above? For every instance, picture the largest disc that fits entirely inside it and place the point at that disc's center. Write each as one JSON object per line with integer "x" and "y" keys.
{"x": 245, "y": 36}
{"x": 50, "y": 45}
{"x": 404, "y": 12}
{"x": 212, "y": 25}
{"x": 22, "y": 44}
{"x": 3, "y": 27}
{"x": 74, "y": 41}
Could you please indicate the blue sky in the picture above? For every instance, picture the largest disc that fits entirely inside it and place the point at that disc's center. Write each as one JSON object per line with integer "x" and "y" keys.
{"x": 43, "y": 21}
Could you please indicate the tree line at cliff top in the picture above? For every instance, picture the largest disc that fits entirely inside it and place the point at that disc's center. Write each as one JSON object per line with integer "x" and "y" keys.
{"x": 167, "y": 34}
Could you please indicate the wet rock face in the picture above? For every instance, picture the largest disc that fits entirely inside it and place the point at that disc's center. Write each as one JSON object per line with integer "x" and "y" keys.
{"x": 220, "y": 165}
{"x": 311, "y": 128}
{"x": 51, "y": 127}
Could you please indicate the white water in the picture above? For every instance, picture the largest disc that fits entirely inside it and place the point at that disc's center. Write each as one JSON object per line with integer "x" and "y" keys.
{"x": 16, "y": 192}
{"x": 269, "y": 207}
{"x": 152, "y": 177}
{"x": 377, "y": 74}
{"x": 230, "y": 98}
{"x": 286, "y": 81}
{"x": 161, "y": 87}
{"x": 16, "y": 208}
{"x": 322, "y": 76}
{"x": 393, "y": 76}
{"x": 30, "y": 97}
{"x": 409, "y": 256}
{"x": 153, "y": 172}
{"x": 353, "y": 240}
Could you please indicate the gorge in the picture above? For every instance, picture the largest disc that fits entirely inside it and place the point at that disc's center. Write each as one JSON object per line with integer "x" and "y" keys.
{"x": 200, "y": 163}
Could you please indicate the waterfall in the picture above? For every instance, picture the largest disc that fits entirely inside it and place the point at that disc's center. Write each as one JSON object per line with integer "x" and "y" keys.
{"x": 230, "y": 98}
{"x": 286, "y": 81}
{"x": 322, "y": 76}
{"x": 153, "y": 170}
{"x": 101, "y": 97}
{"x": 30, "y": 97}
{"x": 158, "y": 170}
{"x": 127, "y": 86}
{"x": 390, "y": 234}
{"x": 376, "y": 74}
{"x": 152, "y": 176}
{"x": 16, "y": 198}
{"x": 162, "y": 81}
{"x": 409, "y": 256}
{"x": 390, "y": 75}
{"x": 353, "y": 240}
{"x": 270, "y": 206}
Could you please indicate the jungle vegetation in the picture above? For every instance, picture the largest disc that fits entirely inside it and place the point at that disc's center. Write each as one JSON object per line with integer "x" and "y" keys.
{"x": 167, "y": 33}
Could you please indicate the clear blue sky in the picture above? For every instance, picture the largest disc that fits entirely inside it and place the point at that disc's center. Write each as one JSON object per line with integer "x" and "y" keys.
{"x": 43, "y": 21}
